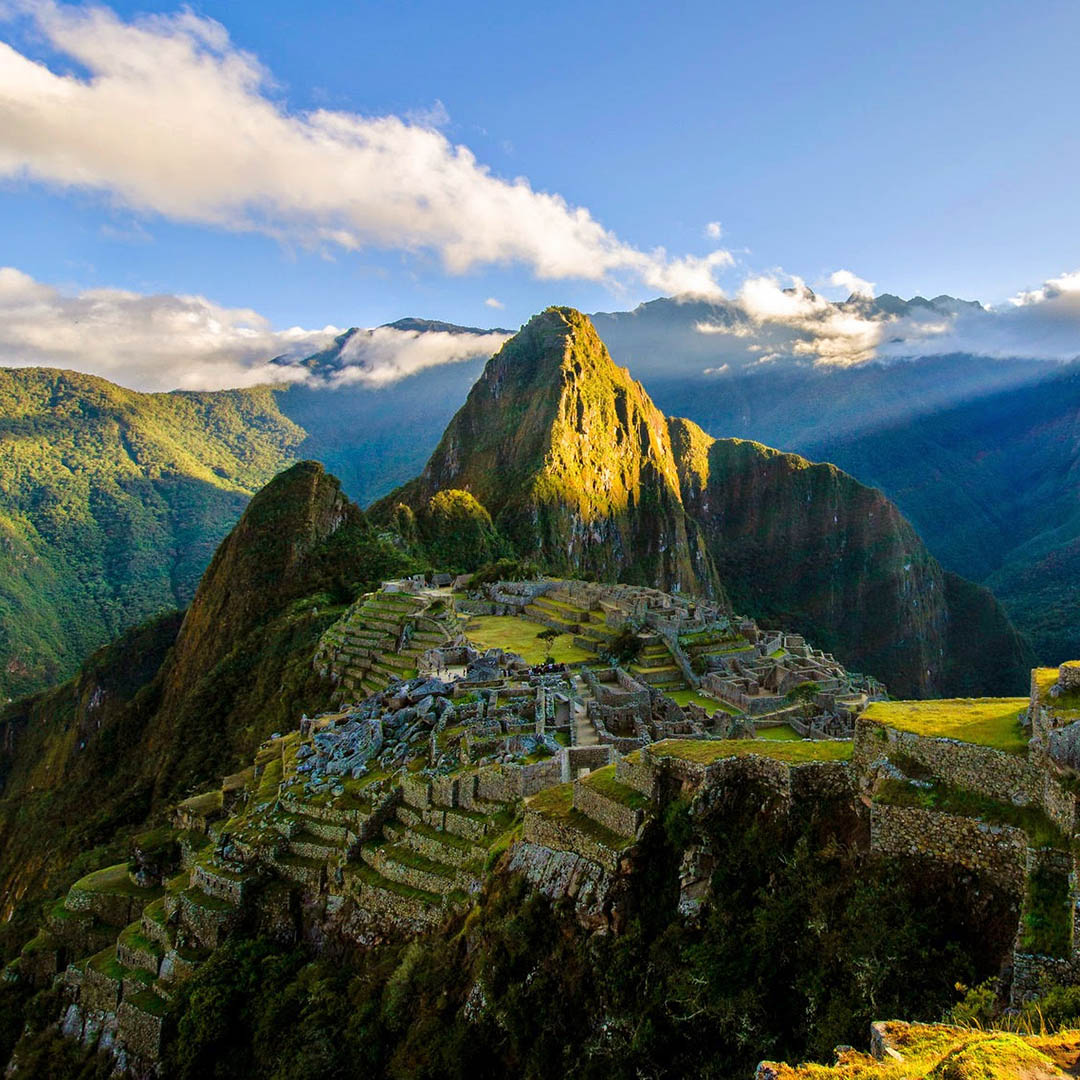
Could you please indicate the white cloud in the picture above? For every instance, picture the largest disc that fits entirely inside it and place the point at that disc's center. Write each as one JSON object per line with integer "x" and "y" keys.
{"x": 791, "y": 320}
{"x": 165, "y": 342}
{"x": 491, "y": 302}
{"x": 714, "y": 230}
{"x": 854, "y": 284}
{"x": 172, "y": 119}
{"x": 384, "y": 355}
{"x": 149, "y": 342}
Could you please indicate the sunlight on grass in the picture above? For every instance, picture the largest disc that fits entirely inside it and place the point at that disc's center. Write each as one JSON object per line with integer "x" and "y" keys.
{"x": 780, "y": 733}
{"x": 986, "y": 721}
{"x": 706, "y": 751}
{"x": 694, "y": 697}
{"x": 519, "y": 635}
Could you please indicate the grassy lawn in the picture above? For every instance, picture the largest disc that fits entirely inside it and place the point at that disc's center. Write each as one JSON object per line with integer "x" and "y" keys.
{"x": 519, "y": 635}
{"x": 706, "y": 751}
{"x": 694, "y": 697}
{"x": 986, "y": 721}
{"x": 603, "y": 782}
{"x": 113, "y": 880}
{"x": 780, "y": 733}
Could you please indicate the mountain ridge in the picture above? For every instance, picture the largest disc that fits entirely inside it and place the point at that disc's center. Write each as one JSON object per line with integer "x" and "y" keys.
{"x": 553, "y": 430}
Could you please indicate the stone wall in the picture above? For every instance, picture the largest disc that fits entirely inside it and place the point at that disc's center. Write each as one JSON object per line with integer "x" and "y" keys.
{"x": 1063, "y": 744}
{"x": 994, "y": 773}
{"x": 999, "y": 851}
{"x": 615, "y": 688}
{"x": 561, "y": 835}
{"x": 636, "y": 772}
{"x": 1021, "y": 779}
{"x": 1031, "y": 971}
{"x": 613, "y": 815}
{"x": 139, "y": 1031}
{"x": 574, "y": 758}
{"x": 1069, "y": 675}
{"x": 724, "y": 687}
{"x": 603, "y": 715}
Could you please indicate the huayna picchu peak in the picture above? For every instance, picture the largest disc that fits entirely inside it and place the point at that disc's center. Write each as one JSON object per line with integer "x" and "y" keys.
{"x": 580, "y": 472}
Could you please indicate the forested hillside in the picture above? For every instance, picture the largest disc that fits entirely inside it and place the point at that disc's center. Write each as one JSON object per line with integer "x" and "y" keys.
{"x": 111, "y": 504}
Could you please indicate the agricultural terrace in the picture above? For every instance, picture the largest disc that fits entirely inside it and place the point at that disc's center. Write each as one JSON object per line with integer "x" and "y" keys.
{"x": 1066, "y": 706}
{"x": 993, "y": 722}
{"x": 518, "y": 635}
{"x": 707, "y": 751}
{"x": 693, "y": 697}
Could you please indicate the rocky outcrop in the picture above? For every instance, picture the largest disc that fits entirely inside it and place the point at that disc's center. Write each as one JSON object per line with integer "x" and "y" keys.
{"x": 559, "y": 875}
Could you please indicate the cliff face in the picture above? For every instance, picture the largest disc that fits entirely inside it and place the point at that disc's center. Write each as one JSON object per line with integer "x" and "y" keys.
{"x": 572, "y": 460}
{"x": 582, "y": 472}
{"x": 808, "y": 546}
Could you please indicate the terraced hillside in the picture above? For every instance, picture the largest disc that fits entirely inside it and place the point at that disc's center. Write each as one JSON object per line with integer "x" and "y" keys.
{"x": 381, "y": 638}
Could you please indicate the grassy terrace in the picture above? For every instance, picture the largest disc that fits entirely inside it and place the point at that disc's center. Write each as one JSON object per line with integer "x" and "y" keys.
{"x": 114, "y": 881}
{"x": 557, "y": 803}
{"x": 603, "y": 782}
{"x": 780, "y": 733}
{"x": 706, "y": 751}
{"x": 1041, "y": 831}
{"x": 520, "y": 636}
{"x": 694, "y": 697}
{"x": 205, "y": 804}
{"x": 940, "y": 1052}
{"x": 993, "y": 722}
{"x": 1067, "y": 706}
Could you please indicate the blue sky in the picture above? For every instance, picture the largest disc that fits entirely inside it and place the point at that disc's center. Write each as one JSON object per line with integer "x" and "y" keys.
{"x": 925, "y": 147}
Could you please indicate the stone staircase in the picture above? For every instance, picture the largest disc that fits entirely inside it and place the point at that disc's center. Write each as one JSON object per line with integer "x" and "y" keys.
{"x": 656, "y": 666}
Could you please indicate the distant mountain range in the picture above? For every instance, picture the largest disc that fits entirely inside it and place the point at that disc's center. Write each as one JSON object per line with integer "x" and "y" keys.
{"x": 114, "y": 500}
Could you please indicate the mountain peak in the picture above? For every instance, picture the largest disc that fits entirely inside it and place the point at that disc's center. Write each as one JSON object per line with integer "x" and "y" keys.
{"x": 561, "y": 447}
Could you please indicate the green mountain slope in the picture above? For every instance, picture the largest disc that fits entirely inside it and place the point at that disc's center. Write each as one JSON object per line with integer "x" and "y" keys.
{"x": 581, "y": 472}
{"x": 172, "y": 704}
{"x": 571, "y": 459}
{"x": 111, "y": 504}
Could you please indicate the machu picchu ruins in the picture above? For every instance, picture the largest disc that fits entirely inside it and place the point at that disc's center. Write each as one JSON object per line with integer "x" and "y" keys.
{"x": 454, "y": 745}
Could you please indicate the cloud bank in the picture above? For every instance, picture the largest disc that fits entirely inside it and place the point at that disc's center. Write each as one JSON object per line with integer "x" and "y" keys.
{"x": 166, "y": 342}
{"x": 171, "y": 118}
{"x": 382, "y": 356}
{"x": 773, "y": 318}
